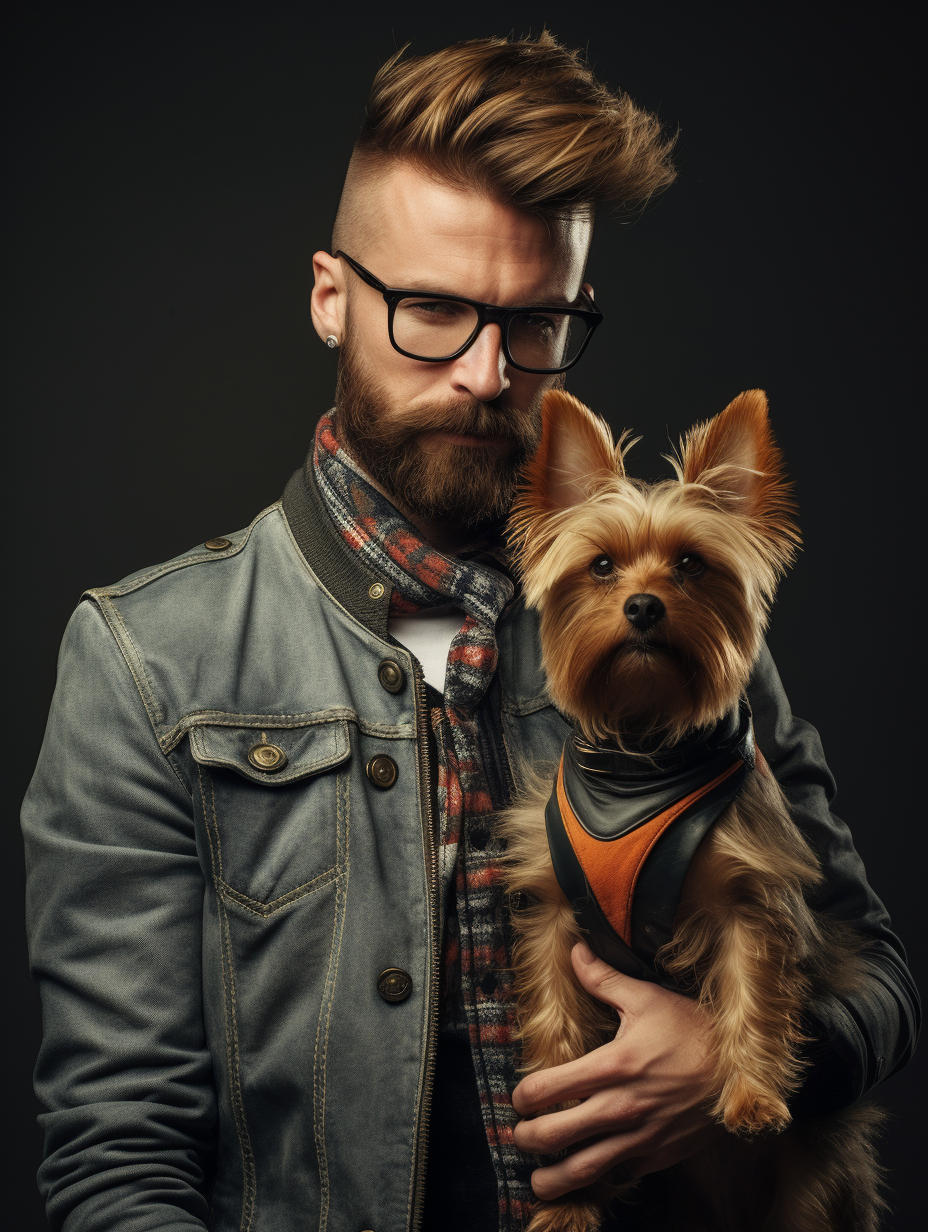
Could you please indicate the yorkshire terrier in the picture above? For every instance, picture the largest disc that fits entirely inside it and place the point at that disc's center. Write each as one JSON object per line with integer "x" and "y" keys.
{"x": 666, "y": 843}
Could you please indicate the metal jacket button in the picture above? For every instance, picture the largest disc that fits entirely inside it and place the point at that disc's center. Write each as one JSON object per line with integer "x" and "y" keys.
{"x": 218, "y": 545}
{"x": 382, "y": 771}
{"x": 267, "y": 757}
{"x": 377, "y": 590}
{"x": 391, "y": 676}
{"x": 394, "y": 984}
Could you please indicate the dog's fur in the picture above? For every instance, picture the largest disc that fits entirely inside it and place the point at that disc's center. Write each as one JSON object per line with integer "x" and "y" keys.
{"x": 745, "y": 942}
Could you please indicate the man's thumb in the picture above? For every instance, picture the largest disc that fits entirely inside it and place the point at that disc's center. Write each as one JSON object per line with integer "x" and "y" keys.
{"x": 598, "y": 978}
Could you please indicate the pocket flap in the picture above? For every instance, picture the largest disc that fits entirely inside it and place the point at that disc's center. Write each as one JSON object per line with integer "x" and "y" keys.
{"x": 272, "y": 755}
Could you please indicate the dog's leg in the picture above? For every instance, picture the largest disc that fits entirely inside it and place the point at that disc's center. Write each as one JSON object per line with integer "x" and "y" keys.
{"x": 744, "y": 932}
{"x": 745, "y": 935}
{"x": 558, "y": 1020}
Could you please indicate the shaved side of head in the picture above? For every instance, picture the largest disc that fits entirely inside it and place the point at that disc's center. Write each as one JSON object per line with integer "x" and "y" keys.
{"x": 521, "y": 121}
{"x": 356, "y": 219}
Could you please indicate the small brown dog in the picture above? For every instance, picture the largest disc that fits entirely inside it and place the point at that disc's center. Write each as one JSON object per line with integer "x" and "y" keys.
{"x": 666, "y": 843}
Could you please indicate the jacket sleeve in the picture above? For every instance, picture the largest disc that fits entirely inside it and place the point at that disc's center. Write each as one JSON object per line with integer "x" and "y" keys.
{"x": 859, "y": 1039}
{"x": 114, "y": 906}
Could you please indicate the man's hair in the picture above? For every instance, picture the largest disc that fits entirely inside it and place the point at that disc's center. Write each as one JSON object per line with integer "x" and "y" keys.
{"x": 524, "y": 121}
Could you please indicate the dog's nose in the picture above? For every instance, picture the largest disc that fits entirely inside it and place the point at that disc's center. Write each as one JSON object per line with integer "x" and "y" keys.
{"x": 644, "y": 611}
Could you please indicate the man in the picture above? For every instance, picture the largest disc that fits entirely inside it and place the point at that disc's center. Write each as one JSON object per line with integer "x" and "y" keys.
{"x": 263, "y": 897}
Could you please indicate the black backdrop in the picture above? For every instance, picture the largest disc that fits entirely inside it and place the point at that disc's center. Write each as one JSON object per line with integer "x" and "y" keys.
{"x": 172, "y": 169}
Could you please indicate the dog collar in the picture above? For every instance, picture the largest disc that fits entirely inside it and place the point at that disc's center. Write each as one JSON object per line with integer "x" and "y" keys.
{"x": 623, "y": 829}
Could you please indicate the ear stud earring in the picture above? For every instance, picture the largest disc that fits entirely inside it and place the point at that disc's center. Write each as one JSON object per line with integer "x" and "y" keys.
{"x": 331, "y": 341}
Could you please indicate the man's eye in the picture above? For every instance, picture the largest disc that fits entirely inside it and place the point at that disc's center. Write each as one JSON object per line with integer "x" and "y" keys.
{"x": 602, "y": 566}
{"x": 438, "y": 310}
{"x": 532, "y": 323}
{"x": 691, "y": 564}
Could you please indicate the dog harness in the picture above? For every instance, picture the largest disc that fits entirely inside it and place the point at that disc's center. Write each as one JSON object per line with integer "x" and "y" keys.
{"x": 623, "y": 829}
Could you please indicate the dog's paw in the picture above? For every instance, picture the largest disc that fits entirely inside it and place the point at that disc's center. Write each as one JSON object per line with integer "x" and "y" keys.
{"x": 747, "y": 1112}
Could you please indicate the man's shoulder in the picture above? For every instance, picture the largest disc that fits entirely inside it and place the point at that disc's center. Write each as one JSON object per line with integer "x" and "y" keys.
{"x": 228, "y": 626}
{"x": 221, "y": 597}
{"x": 214, "y": 562}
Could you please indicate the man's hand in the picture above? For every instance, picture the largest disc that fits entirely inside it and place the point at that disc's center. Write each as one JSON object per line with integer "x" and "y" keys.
{"x": 643, "y": 1093}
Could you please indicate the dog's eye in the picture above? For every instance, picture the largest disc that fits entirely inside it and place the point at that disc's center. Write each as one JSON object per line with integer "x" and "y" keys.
{"x": 691, "y": 564}
{"x": 602, "y": 566}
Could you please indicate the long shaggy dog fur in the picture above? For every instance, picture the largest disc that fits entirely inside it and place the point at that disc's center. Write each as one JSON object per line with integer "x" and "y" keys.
{"x": 711, "y": 545}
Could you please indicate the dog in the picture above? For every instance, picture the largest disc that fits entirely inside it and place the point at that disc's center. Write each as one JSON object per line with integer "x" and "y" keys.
{"x": 666, "y": 842}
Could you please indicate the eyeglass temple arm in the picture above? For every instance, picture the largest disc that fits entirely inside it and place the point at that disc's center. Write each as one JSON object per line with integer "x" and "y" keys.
{"x": 365, "y": 275}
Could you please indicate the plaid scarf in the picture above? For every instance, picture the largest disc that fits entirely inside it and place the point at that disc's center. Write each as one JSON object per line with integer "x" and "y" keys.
{"x": 473, "y": 782}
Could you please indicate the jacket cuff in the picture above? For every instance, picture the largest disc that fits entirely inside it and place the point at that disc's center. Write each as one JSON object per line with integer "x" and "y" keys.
{"x": 852, "y": 1045}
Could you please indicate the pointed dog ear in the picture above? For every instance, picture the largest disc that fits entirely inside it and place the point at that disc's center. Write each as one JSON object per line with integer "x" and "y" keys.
{"x": 734, "y": 459}
{"x": 575, "y": 457}
{"x": 734, "y": 455}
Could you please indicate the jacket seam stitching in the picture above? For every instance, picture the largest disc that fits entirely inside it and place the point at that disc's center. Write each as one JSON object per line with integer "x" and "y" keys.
{"x": 429, "y": 940}
{"x": 272, "y": 722}
{"x": 215, "y": 855}
{"x": 249, "y": 1180}
{"x": 530, "y": 706}
{"x": 123, "y": 639}
{"x": 342, "y": 814}
{"x": 254, "y": 905}
{"x": 177, "y": 774}
{"x": 342, "y": 750}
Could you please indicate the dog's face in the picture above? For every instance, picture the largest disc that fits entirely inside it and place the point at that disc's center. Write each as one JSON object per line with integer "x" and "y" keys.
{"x": 653, "y": 598}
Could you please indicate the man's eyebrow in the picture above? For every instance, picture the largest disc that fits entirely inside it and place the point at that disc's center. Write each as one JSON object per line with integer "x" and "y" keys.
{"x": 548, "y": 301}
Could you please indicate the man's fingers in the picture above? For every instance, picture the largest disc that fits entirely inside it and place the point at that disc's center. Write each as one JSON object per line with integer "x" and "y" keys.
{"x": 583, "y": 1167}
{"x": 626, "y": 1152}
{"x": 572, "y": 1080}
{"x": 547, "y": 1135}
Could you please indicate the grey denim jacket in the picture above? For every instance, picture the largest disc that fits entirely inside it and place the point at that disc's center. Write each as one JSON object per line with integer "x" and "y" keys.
{"x": 208, "y": 934}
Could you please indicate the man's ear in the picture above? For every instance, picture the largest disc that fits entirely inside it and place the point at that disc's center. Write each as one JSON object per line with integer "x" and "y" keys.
{"x": 576, "y": 456}
{"x": 328, "y": 301}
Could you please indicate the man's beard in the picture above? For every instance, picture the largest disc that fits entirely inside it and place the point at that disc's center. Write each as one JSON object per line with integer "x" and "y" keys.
{"x": 469, "y": 484}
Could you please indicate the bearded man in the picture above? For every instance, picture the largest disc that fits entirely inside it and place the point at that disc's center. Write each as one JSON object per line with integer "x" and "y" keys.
{"x": 264, "y": 903}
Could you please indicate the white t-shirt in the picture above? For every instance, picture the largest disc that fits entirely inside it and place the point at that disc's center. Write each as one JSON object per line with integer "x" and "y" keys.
{"x": 429, "y": 634}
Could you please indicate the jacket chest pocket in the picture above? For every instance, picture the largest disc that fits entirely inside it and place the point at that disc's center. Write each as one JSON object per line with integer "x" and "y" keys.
{"x": 274, "y": 806}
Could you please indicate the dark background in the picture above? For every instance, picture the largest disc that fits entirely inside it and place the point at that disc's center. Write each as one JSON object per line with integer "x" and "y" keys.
{"x": 171, "y": 171}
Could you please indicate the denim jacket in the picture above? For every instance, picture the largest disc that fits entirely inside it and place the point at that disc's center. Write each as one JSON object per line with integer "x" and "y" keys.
{"x": 234, "y": 911}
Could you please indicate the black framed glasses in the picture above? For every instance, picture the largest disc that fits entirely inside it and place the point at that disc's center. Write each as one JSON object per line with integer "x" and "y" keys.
{"x": 435, "y": 327}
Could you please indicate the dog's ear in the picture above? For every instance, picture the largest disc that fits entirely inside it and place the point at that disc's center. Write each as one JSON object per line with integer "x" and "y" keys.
{"x": 576, "y": 456}
{"x": 734, "y": 455}
{"x": 737, "y": 464}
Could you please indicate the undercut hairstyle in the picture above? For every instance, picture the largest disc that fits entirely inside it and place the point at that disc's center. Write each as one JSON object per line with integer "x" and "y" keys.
{"x": 523, "y": 121}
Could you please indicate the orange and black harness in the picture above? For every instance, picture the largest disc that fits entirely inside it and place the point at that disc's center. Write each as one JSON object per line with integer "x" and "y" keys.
{"x": 623, "y": 829}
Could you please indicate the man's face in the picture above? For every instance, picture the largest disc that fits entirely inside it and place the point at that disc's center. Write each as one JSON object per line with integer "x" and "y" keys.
{"x": 446, "y": 440}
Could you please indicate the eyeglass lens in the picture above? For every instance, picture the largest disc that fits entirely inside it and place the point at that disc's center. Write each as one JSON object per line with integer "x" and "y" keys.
{"x": 434, "y": 329}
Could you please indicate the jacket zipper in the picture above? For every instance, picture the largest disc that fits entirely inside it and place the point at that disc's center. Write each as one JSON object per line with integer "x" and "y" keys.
{"x": 430, "y": 846}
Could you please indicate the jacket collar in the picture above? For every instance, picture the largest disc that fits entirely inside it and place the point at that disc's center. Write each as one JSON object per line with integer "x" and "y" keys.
{"x": 354, "y": 585}
{"x": 340, "y": 570}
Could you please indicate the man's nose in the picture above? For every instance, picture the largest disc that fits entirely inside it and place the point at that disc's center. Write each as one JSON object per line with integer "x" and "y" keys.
{"x": 481, "y": 370}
